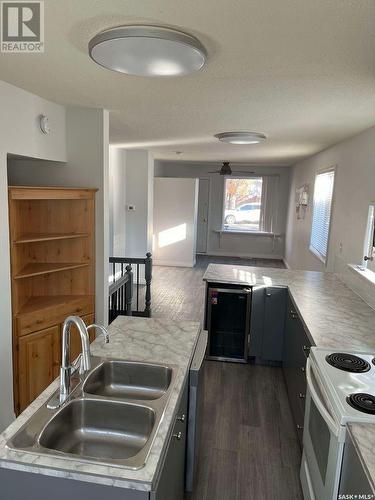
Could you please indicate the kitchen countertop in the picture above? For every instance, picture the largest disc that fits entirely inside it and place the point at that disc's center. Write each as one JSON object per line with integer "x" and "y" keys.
{"x": 333, "y": 315}
{"x": 135, "y": 339}
{"x": 363, "y": 437}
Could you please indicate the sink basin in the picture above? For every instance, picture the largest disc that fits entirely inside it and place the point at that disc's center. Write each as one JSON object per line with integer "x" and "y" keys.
{"x": 128, "y": 380}
{"x": 99, "y": 429}
{"x": 111, "y": 417}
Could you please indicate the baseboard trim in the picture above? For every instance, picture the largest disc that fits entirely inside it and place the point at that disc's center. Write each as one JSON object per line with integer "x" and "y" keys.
{"x": 243, "y": 255}
{"x": 174, "y": 263}
{"x": 286, "y": 264}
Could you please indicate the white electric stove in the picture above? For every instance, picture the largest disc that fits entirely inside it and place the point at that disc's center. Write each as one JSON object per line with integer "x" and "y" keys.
{"x": 340, "y": 389}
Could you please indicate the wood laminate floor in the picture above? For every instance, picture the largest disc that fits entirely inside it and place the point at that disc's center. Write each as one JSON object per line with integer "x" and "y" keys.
{"x": 249, "y": 448}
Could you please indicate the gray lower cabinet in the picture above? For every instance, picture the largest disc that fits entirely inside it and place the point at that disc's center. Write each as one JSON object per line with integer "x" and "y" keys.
{"x": 267, "y": 323}
{"x": 171, "y": 483}
{"x": 353, "y": 481}
{"x": 257, "y": 321}
{"x": 296, "y": 350}
{"x": 274, "y": 320}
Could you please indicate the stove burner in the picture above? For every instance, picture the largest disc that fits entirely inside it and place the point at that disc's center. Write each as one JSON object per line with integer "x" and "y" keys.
{"x": 348, "y": 362}
{"x": 362, "y": 402}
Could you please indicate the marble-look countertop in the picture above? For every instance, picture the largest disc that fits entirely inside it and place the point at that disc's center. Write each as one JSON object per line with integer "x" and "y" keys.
{"x": 333, "y": 315}
{"x": 135, "y": 339}
{"x": 363, "y": 437}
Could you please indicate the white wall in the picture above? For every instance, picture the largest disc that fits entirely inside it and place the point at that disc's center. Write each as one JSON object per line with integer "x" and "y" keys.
{"x": 117, "y": 201}
{"x": 175, "y": 221}
{"x": 139, "y": 192}
{"x": 241, "y": 245}
{"x": 87, "y": 144}
{"x": 19, "y": 134}
{"x": 354, "y": 190}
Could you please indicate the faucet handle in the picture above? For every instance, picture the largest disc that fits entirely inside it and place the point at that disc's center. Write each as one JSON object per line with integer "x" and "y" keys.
{"x": 103, "y": 330}
{"x": 76, "y": 365}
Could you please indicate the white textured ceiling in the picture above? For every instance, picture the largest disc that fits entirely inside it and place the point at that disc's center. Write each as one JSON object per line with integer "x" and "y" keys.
{"x": 300, "y": 71}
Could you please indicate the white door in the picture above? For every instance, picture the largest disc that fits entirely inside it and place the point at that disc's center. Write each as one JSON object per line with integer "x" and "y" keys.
{"x": 202, "y": 226}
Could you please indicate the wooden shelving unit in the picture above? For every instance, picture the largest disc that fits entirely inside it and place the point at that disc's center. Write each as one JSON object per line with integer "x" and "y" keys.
{"x": 38, "y": 268}
{"x": 53, "y": 275}
{"x": 34, "y": 237}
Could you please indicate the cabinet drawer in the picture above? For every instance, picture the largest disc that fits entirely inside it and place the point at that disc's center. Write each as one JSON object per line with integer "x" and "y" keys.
{"x": 37, "y": 319}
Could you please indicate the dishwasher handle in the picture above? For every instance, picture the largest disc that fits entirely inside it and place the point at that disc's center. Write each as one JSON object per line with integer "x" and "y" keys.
{"x": 200, "y": 352}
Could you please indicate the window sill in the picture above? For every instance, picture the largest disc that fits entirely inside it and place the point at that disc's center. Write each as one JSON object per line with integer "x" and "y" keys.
{"x": 249, "y": 233}
{"x": 366, "y": 274}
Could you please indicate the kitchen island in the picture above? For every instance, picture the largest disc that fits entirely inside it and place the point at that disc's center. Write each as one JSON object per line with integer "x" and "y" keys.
{"x": 332, "y": 315}
{"x": 133, "y": 339}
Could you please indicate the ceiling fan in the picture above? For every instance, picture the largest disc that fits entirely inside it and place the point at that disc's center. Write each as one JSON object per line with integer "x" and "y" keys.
{"x": 226, "y": 170}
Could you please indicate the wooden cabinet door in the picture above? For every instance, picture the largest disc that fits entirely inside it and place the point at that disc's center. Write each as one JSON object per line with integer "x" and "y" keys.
{"x": 38, "y": 363}
{"x": 75, "y": 339}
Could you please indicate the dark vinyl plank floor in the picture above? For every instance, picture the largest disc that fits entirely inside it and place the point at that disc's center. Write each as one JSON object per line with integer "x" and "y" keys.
{"x": 249, "y": 448}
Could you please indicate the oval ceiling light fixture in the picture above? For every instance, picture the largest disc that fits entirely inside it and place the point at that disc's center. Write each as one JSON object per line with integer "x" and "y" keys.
{"x": 241, "y": 137}
{"x": 147, "y": 51}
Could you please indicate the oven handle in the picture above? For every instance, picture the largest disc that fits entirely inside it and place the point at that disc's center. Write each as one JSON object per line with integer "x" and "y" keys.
{"x": 319, "y": 404}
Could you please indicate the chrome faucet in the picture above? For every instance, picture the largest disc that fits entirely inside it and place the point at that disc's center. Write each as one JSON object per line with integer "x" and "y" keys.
{"x": 83, "y": 362}
{"x": 103, "y": 331}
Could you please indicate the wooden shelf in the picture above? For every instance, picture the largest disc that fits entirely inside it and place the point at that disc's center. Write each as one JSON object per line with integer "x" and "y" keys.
{"x": 50, "y": 193}
{"x": 35, "y": 237}
{"x": 39, "y": 268}
{"x": 35, "y": 304}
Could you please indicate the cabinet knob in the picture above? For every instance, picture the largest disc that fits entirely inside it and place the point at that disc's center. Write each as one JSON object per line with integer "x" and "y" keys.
{"x": 303, "y": 369}
{"x": 268, "y": 294}
{"x": 182, "y": 418}
{"x": 301, "y": 395}
{"x": 306, "y": 348}
{"x": 299, "y": 427}
{"x": 178, "y": 436}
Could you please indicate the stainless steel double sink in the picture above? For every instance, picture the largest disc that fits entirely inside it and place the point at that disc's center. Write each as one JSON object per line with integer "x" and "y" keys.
{"x": 111, "y": 417}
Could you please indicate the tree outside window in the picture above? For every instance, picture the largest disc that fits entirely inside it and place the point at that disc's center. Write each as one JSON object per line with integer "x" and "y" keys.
{"x": 243, "y": 204}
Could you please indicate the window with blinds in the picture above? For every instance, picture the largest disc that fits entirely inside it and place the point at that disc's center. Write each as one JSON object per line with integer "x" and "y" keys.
{"x": 323, "y": 192}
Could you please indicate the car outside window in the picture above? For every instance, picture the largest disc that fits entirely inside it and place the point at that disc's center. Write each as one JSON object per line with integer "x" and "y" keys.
{"x": 243, "y": 204}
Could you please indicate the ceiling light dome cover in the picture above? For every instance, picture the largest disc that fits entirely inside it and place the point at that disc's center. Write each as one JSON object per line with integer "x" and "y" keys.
{"x": 147, "y": 51}
{"x": 241, "y": 137}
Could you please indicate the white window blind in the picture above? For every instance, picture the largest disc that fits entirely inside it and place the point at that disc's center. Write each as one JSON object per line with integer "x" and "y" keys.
{"x": 323, "y": 192}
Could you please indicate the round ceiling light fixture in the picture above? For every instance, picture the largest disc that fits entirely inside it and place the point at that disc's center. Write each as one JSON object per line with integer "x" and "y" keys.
{"x": 241, "y": 137}
{"x": 147, "y": 51}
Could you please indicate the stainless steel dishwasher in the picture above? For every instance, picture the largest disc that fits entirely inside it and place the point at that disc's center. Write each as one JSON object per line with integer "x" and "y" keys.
{"x": 196, "y": 398}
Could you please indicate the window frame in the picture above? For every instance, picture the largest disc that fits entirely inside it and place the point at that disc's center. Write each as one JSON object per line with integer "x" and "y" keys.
{"x": 262, "y": 205}
{"x": 313, "y": 250}
{"x": 368, "y": 244}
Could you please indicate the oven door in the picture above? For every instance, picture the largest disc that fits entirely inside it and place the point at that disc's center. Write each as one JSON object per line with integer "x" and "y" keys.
{"x": 323, "y": 443}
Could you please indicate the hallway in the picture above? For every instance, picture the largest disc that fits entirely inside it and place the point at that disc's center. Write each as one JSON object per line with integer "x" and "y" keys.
{"x": 249, "y": 449}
